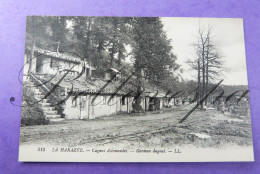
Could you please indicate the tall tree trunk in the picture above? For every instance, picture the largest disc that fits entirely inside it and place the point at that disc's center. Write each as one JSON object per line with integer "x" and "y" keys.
{"x": 203, "y": 66}
{"x": 112, "y": 55}
{"x": 98, "y": 61}
{"x": 120, "y": 53}
{"x": 99, "y": 54}
{"x": 207, "y": 71}
{"x": 88, "y": 40}
{"x": 137, "y": 102}
{"x": 199, "y": 85}
{"x": 203, "y": 75}
{"x": 119, "y": 56}
{"x": 207, "y": 81}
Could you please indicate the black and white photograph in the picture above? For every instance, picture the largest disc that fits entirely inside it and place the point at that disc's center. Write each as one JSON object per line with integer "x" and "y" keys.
{"x": 134, "y": 89}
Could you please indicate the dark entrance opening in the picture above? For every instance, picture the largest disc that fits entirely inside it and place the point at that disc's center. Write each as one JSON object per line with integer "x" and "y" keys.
{"x": 39, "y": 64}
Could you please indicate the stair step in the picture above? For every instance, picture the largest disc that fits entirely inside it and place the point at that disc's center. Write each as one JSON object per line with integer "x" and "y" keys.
{"x": 29, "y": 81}
{"x": 30, "y": 84}
{"x": 40, "y": 96}
{"x": 38, "y": 93}
{"x": 45, "y": 104}
{"x": 45, "y": 100}
{"x": 52, "y": 116}
{"x": 48, "y": 108}
{"x": 56, "y": 119}
{"x": 51, "y": 112}
{"x": 36, "y": 90}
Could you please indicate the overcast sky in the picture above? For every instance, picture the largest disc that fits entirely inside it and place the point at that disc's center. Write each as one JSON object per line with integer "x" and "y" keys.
{"x": 228, "y": 34}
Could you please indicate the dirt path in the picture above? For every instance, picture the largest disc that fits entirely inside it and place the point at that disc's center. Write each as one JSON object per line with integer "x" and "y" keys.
{"x": 151, "y": 129}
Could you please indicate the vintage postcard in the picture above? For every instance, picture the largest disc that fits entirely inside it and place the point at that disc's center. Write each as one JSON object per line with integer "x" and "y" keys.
{"x": 134, "y": 89}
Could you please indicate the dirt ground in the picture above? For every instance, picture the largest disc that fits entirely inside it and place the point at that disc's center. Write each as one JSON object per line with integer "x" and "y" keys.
{"x": 153, "y": 129}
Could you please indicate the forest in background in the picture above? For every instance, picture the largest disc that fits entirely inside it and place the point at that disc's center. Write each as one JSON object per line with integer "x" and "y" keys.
{"x": 126, "y": 42}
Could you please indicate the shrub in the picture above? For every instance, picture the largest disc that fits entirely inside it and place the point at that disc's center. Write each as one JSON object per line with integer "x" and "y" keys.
{"x": 32, "y": 116}
{"x": 31, "y": 113}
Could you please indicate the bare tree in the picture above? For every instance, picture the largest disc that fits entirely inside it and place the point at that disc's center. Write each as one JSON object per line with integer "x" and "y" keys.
{"x": 208, "y": 63}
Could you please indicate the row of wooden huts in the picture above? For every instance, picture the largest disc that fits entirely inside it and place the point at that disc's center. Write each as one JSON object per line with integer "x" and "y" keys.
{"x": 90, "y": 105}
{"x": 88, "y": 102}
